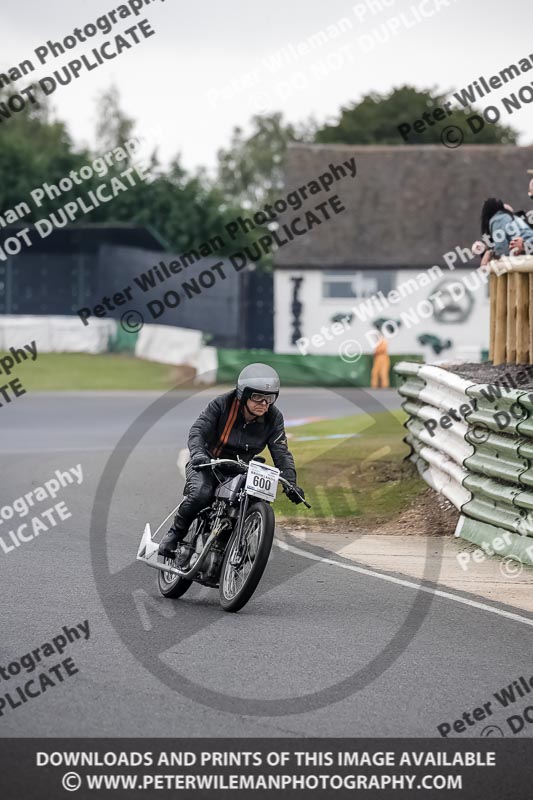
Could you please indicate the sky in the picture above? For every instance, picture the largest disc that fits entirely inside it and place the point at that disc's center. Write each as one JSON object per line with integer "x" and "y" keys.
{"x": 211, "y": 65}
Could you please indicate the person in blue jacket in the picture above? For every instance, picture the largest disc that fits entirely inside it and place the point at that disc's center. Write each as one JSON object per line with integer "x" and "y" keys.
{"x": 510, "y": 233}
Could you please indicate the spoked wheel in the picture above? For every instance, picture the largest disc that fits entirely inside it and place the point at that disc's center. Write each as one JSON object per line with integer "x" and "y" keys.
{"x": 241, "y": 572}
{"x": 171, "y": 585}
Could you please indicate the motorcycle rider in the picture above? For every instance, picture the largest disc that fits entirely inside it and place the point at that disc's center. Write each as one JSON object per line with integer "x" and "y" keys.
{"x": 239, "y": 423}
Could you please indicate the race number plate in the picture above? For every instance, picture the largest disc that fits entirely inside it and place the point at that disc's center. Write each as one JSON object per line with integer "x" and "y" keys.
{"x": 262, "y": 481}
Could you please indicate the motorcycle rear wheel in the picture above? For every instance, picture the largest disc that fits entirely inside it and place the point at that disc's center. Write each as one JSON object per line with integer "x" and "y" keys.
{"x": 171, "y": 585}
{"x": 238, "y": 583}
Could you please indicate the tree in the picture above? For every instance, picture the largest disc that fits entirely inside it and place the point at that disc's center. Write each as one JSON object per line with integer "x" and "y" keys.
{"x": 186, "y": 210}
{"x": 35, "y": 148}
{"x": 376, "y": 119}
{"x": 113, "y": 126}
{"x": 250, "y": 170}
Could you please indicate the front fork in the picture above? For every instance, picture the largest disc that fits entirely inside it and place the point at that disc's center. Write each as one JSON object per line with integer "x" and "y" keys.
{"x": 239, "y": 555}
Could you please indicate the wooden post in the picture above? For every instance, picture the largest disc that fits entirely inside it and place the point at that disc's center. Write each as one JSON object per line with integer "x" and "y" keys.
{"x": 530, "y": 276}
{"x": 500, "y": 334}
{"x": 522, "y": 318}
{"x": 493, "y": 288}
{"x": 511, "y": 318}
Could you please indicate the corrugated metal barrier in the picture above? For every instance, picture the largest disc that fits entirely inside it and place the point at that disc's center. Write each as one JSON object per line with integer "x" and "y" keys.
{"x": 473, "y": 444}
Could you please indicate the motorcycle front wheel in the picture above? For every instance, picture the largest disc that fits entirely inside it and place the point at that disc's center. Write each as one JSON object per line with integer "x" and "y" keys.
{"x": 241, "y": 572}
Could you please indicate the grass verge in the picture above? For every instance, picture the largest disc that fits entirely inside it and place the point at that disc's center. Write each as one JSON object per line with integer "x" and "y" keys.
{"x": 363, "y": 478}
{"x": 82, "y": 371}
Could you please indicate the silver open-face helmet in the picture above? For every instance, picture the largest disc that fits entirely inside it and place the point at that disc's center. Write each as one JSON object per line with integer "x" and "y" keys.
{"x": 258, "y": 378}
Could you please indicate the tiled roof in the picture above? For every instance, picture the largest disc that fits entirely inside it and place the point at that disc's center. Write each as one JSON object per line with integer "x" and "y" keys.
{"x": 407, "y": 205}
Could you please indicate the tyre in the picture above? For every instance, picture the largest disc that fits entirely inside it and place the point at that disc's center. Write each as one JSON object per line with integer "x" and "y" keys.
{"x": 171, "y": 585}
{"x": 238, "y": 583}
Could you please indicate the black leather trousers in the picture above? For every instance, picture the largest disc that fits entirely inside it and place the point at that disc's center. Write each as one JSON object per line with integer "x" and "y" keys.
{"x": 198, "y": 493}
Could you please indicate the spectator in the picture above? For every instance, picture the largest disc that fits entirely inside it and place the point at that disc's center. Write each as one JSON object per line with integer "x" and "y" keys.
{"x": 482, "y": 249}
{"x": 379, "y": 377}
{"x": 509, "y": 233}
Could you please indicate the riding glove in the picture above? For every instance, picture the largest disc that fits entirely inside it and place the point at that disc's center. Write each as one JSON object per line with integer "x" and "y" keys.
{"x": 293, "y": 497}
{"x": 197, "y": 459}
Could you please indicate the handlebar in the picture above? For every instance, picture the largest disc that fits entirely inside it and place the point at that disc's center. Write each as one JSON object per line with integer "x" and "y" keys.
{"x": 215, "y": 461}
{"x": 244, "y": 466}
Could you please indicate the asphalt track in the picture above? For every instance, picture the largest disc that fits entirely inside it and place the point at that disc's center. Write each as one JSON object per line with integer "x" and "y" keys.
{"x": 322, "y": 650}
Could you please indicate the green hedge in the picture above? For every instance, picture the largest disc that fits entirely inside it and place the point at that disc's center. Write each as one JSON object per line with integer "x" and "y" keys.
{"x": 299, "y": 370}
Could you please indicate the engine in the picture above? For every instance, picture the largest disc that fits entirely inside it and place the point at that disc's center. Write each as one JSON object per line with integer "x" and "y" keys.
{"x": 212, "y": 565}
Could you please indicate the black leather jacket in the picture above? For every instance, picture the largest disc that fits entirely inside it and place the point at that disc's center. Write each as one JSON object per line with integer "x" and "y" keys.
{"x": 222, "y": 432}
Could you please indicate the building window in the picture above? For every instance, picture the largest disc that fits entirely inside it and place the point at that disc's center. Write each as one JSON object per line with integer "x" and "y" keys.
{"x": 354, "y": 285}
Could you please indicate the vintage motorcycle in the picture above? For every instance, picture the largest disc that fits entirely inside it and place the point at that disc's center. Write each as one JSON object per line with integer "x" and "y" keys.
{"x": 229, "y": 542}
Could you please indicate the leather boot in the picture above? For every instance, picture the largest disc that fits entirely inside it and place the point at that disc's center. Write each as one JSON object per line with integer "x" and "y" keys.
{"x": 170, "y": 541}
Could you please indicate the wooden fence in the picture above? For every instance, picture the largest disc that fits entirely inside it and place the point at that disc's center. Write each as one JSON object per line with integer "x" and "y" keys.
{"x": 511, "y": 310}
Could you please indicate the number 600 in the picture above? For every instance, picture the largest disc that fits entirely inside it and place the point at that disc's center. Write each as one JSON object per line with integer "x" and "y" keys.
{"x": 262, "y": 483}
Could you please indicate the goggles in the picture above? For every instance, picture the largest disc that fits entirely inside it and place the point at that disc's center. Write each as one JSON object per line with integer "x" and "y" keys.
{"x": 257, "y": 397}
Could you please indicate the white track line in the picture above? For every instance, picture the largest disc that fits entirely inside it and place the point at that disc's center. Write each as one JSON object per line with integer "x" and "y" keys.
{"x": 409, "y": 584}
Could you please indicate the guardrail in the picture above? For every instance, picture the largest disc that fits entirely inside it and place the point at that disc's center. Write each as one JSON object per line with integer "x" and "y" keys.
{"x": 480, "y": 457}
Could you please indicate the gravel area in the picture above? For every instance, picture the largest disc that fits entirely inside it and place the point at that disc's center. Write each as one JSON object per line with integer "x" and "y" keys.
{"x": 429, "y": 515}
{"x": 505, "y": 374}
